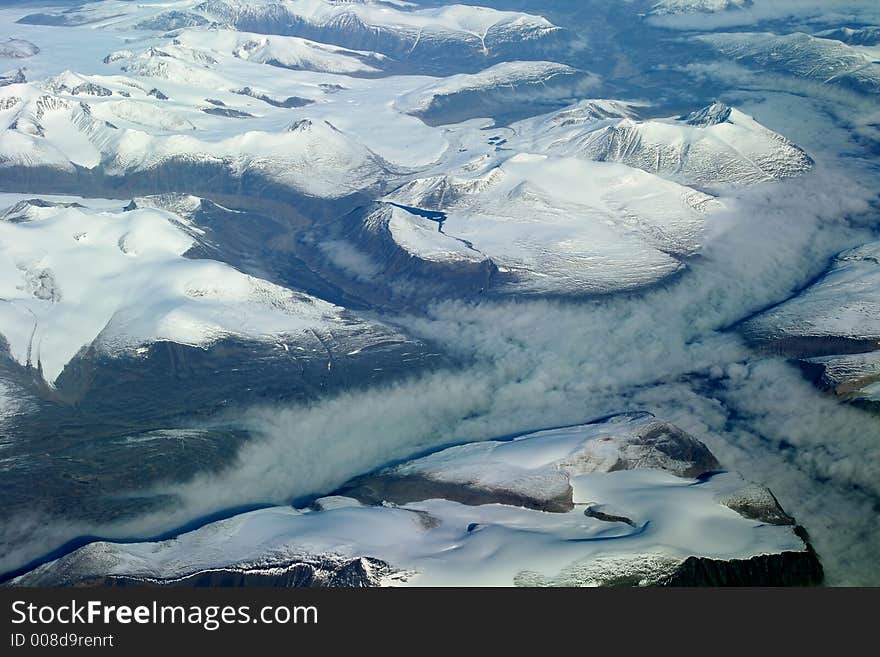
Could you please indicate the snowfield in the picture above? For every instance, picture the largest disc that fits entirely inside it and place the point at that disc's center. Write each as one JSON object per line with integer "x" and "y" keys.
{"x": 403, "y": 28}
{"x": 844, "y": 303}
{"x": 672, "y": 7}
{"x": 70, "y": 273}
{"x": 543, "y": 78}
{"x": 63, "y": 132}
{"x": 826, "y": 61}
{"x": 14, "y": 48}
{"x": 635, "y": 525}
{"x": 281, "y": 51}
{"x": 557, "y": 225}
{"x": 714, "y": 146}
{"x": 833, "y": 325}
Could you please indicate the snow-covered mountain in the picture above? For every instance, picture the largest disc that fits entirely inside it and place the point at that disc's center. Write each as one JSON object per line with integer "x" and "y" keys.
{"x": 281, "y": 51}
{"x": 71, "y": 122}
{"x": 607, "y": 504}
{"x": 823, "y": 60}
{"x": 833, "y": 325}
{"x": 849, "y": 376}
{"x": 549, "y": 224}
{"x": 862, "y": 36}
{"x": 510, "y": 222}
{"x": 75, "y": 278}
{"x": 712, "y": 146}
{"x": 671, "y": 7}
{"x": 495, "y": 89}
{"x": 14, "y": 48}
{"x": 844, "y": 303}
{"x": 459, "y": 33}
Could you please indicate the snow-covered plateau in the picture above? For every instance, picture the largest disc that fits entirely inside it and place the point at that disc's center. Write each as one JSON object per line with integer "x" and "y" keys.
{"x": 552, "y": 225}
{"x": 634, "y": 514}
{"x": 823, "y": 60}
{"x": 833, "y": 325}
{"x": 456, "y": 32}
{"x": 70, "y": 273}
{"x": 665, "y": 7}
{"x": 707, "y": 148}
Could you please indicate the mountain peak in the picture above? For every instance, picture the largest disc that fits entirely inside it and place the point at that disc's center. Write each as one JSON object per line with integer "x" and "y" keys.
{"x": 713, "y": 114}
{"x": 29, "y": 209}
{"x": 301, "y": 125}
